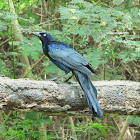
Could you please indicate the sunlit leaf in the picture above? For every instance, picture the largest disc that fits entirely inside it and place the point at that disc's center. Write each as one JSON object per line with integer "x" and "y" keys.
{"x": 72, "y": 11}
{"x": 22, "y": 6}
{"x": 73, "y": 17}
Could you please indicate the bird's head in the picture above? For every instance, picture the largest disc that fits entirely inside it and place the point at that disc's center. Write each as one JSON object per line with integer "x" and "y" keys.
{"x": 44, "y": 36}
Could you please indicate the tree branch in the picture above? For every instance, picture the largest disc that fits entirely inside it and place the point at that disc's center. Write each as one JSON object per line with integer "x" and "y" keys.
{"x": 115, "y": 97}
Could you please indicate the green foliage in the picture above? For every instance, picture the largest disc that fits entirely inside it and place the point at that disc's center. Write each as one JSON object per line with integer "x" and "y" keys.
{"x": 132, "y": 52}
{"x": 3, "y": 69}
{"x": 98, "y": 130}
{"x": 37, "y": 118}
{"x": 25, "y": 128}
{"x": 61, "y": 36}
{"x": 6, "y": 30}
{"x": 31, "y": 47}
{"x": 107, "y": 26}
{"x": 134, "y": 120}
{"x": 96, "y": 59}
{"x": 53, "y": 69}
{"x": 118, "y": 2}
{"x": 104, "y": 34}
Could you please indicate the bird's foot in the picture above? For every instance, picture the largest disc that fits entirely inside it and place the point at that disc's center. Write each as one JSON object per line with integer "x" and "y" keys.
{"x": 67, "y": 82}
{"x": 53, "y": 79}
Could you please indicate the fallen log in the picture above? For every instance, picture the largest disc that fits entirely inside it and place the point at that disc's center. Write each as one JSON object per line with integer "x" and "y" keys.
{"x": 115, "y": 97}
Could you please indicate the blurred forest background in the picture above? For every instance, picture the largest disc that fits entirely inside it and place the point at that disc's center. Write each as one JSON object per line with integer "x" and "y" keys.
{"x": 105, "y": 32}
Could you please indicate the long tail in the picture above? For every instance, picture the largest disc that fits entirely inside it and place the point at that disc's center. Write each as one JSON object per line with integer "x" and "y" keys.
{"x": 90, "y": 93}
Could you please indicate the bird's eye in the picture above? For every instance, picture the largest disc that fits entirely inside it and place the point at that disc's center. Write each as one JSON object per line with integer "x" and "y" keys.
{"x": 44, "y": 34}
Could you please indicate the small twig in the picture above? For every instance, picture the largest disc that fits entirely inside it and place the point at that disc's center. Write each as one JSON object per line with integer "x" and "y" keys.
{"x": 33, "y": 66}
{"x": 97, "y": 2}
{"x": 42, "y": 70}
{"x": 41, "y": 14}
{"x": 124, "y": 128}
{"x": 72, "y": 127}
{"x": 116, "y": 124}
{"x": 44, "y": 7}
{"x": 73, "y": 41}
{"x": 5, "y": 41}
{"x": 7, "y": 117}
{"x": 136, "y": 65}
{"x": 62, "y": 127}
{"x": 89, "y": 134}
{"x": 127, "y": 69}
{"x": 54, "y": 128}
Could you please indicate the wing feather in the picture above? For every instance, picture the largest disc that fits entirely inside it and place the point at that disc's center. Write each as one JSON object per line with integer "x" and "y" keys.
{"x": 66, "y": 55}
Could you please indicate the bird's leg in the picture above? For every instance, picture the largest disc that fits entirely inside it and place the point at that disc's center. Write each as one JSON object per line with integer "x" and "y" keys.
{"x": 58, "y": 77}
{"x": 68, "y": 78}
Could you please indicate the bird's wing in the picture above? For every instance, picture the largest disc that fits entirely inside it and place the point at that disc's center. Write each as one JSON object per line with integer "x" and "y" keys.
{"x": 66, "y": 55}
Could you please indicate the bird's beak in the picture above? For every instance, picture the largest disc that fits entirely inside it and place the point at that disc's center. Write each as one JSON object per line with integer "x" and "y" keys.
{"x": 36, "y": 34}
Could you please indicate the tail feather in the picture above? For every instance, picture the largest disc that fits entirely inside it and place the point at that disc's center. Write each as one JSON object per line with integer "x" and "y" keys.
{"x": 90, "y": 92}
{"x": 93, "y": 102}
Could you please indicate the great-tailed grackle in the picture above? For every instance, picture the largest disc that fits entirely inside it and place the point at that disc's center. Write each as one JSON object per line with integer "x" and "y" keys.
{"x": 67, "y": 59}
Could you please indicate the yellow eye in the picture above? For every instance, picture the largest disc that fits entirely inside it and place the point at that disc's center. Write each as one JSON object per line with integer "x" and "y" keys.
{"x": 39, "y": 41}
{"x": 44, "y": 34}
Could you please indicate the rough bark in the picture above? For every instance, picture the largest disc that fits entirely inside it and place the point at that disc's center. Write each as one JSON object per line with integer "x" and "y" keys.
{"x": 18, "y": 37}
{"x": 115, "y": 97}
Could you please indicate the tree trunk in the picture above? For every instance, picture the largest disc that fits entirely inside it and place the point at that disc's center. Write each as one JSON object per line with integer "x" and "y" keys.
{"x": 18, "y": 37}
{"x": 115, "y": 97}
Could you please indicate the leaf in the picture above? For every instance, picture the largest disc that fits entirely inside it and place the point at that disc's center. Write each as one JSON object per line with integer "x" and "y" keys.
{"x": 118, "y": 2}
{"x": 14, "y": 53}
{"x": 53, "y": 69}
{"x": 101, "y": 128}
{"x": 65, "y": 13}
{"x": 72, "y": 10}
{"x": 17, "y": 43}
{"x": 45, "y": 121}
{"x": 22, "y": 6}
{"x": 1, "y": 4}
{"x": 95, "y": 137}
{"x": 94, "y": 57}
{"x": 3, "y": 69}
{"x": 50, "y": 136}
{"x": 77, "y": 1}
{"x": 134, "y": 120}
{"x": 3, "y": 26}
{"x": 33, "y": 49}
{"x": 73, "y": 17}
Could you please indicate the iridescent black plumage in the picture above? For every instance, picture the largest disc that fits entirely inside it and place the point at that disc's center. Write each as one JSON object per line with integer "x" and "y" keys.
{"x": 67, "y": 59}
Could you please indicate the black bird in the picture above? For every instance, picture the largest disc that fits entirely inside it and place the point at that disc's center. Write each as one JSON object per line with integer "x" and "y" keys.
{"x": 68, "y": 59}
